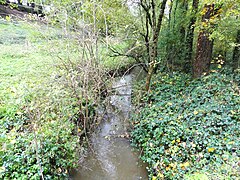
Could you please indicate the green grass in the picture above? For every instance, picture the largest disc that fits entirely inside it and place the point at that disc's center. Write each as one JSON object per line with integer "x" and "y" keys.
{"x": 30, "y": 54}
{"x": 23, "y": 63}
{"x": 27, "y": 85}
{"x": 11, "y": 33}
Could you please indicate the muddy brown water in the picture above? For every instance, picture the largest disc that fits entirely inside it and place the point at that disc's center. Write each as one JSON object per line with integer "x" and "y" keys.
{"x": 113, "y": 157}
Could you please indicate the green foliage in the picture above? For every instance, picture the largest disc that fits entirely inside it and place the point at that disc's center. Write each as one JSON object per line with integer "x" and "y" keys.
{"x": 187, "y": 125}
{"x": 56, "y": 147}
{"x": 174, "y": 45}
{"x": 108, "y": 17}
{"x": 37, "y": 113}
{"x": 2, "y": 1}
{"x": 197, "y": 176}
{"x": 228, "y": 170}
{"x": 175, "y": 30}
{"x": 113, "y": 15}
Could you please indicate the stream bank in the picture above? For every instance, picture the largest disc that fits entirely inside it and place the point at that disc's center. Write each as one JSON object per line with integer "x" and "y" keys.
{"x": 112, "y": 156}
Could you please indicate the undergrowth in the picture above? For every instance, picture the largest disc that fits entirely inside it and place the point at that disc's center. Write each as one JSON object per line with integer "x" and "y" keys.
{"x": 188, "y": 129}
{"x": 38, "y": 132}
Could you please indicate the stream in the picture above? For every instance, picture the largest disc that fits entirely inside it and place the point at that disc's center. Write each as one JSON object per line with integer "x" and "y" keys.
{"x": 113, "y": 157}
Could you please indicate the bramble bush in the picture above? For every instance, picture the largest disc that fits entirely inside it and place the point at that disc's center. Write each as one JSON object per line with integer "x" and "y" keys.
{"x": 189, "y": 126}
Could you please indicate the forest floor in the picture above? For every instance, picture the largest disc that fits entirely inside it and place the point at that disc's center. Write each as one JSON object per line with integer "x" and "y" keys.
{"x": 189, "y": 128}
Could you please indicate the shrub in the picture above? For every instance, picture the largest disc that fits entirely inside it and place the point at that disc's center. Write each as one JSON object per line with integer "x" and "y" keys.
{"x": 187, "y": 125}
{"x": 46, "y": 141}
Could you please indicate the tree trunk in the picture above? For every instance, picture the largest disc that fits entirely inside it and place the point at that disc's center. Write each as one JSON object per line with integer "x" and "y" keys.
{"x": 236, "y": 52}
{"x": 156, "y": 27}
{"x": 203, "y": 57}
{"x": 190, "y": 36}
{"x": 182, "y": 51}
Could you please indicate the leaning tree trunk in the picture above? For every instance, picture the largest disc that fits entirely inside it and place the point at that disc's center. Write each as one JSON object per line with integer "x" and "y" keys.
{"x": 203, "y": 57}
{"x": 236, "y": 52}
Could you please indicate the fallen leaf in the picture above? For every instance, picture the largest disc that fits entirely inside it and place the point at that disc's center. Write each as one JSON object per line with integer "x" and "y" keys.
{"x": 211, "y": 149}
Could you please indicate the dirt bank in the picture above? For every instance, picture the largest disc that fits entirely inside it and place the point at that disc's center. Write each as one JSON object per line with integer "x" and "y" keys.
{"x": 6, "y": 10}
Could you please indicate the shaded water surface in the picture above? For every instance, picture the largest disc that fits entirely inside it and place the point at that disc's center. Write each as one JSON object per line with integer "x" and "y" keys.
{"x": 113, "y": 157}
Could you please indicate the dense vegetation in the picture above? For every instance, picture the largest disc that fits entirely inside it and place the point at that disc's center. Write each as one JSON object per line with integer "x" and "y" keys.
{"x": 45, "y": 117}
{"x": 56, "y": 70}
{"x": 190, "y": 126}
{"x": 34, "y": 110}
